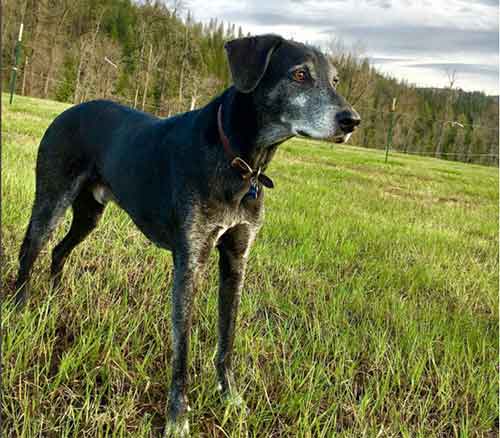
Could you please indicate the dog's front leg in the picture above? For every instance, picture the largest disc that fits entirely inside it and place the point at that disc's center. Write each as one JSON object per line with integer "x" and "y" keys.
{"x": 233, "y": 252}
{"x": 186, "y": 270}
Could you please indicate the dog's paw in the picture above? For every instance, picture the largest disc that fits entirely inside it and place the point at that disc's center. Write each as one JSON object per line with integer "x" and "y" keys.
{"x": 236, "y": 400}
{"x": 233, "y": 399}
{"x": 177, "y": 429}
{"x": 19, "y": 300}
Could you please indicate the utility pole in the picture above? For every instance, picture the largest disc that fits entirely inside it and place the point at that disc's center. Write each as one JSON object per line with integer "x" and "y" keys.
{"x": 389, "y": 133}
{"x": 16, "y": 60}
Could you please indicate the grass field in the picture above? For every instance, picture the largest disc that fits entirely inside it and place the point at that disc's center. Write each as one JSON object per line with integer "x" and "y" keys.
{"x": 370, "y": 307}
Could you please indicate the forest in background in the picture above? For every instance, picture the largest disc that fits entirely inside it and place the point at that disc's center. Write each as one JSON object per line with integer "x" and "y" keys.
{"x": 154, "y": 56}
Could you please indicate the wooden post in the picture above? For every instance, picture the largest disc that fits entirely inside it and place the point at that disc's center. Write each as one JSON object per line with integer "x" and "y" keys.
{"x": 389, "y": 133}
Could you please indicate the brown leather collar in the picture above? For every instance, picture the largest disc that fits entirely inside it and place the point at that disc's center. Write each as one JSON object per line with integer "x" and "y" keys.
{"x": 238, "y": 163}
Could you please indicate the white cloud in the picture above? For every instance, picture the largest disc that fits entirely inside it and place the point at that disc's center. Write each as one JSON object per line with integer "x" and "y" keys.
{"x": 428, "y": 33}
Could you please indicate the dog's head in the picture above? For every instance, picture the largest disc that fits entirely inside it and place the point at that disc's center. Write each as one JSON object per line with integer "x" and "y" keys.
{"x": 295, "y": 83}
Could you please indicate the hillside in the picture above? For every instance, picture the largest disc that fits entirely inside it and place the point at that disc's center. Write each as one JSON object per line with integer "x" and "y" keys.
{"x": 370, "y": 307}
{"x": 156, "y": 57}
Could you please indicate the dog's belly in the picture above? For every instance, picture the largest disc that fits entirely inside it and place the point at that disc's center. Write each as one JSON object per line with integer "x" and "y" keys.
{"x": 160, "y": 231}
{"x": 157, "y": 233}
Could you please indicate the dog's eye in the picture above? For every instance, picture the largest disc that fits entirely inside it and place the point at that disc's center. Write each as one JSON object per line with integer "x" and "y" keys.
{"x": 299, "y": 75}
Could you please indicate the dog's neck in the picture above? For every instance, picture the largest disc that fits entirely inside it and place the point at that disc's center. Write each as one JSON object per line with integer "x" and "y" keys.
{"x": 252, "y": 136}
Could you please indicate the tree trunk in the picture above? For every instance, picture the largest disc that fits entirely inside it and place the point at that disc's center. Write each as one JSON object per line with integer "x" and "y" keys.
{"x": 47, "y": 80}
{"x": 146, "y": 82}
{"x": 141, "y": 56}
{"x": 439, "y": 146}
{"x": 136, "y": 97}
{"x": 183, "y": 66}
{"x": 78, "y": 74}
{"x": 23, "y": 86}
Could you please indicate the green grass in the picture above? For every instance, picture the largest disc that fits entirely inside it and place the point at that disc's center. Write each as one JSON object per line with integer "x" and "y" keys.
{"x": 370, "y": 306}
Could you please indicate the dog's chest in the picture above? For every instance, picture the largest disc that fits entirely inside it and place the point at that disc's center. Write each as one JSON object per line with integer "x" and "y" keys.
{"x": 217, "y": 233}
{"x": 218, "y": 228}
{"x": 226, "y": 220}
{"x": 221, "y": 229}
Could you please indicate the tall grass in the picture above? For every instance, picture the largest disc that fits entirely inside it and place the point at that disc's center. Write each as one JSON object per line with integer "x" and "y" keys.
{"x": 370, "y": 307}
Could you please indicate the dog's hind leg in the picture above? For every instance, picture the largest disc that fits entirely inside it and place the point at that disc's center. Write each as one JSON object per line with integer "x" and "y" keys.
{"x": 48, "y": 210}
{"x": 86, "y": 214}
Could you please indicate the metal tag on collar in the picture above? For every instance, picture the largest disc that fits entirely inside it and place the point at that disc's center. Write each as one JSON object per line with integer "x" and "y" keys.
{"x": 266, "y": 181}
{"x": 254, "y": 189}
{"x": 254, "y": 184}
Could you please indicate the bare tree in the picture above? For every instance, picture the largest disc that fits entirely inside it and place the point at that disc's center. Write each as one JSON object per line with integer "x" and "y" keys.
{"x": 87, "y": 60}
{"x": 450, "y": 97}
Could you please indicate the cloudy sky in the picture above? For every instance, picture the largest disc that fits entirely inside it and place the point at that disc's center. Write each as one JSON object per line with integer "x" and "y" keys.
{"x": 416, "y": 40}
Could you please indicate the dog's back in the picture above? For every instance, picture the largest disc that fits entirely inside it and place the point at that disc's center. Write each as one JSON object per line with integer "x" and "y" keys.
{"x": 88, "y": 130}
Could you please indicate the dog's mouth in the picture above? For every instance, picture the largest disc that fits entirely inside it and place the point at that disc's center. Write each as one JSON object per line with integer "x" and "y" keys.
{"x": 337, "y": 138}
{"x": 303, "y": 134}
{"x": 340, "y": 138}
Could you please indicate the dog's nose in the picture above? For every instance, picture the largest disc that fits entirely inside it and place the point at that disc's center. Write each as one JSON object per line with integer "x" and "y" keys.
{"x": 348, "y": 120}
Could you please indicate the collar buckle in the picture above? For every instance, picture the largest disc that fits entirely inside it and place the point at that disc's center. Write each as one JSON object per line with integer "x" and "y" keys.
{"x": 240, "y": 165}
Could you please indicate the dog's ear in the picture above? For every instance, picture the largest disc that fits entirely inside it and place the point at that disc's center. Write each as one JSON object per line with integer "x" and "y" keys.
{"x": 248, "y": 59}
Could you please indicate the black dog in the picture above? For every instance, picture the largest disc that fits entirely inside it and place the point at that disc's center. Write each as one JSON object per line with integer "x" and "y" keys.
{"x": 190, "y": 182}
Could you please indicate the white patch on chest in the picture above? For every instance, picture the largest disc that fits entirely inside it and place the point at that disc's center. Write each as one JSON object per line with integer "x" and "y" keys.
{"x": 220, "y": 233}
{"x": 222, "y": 229}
